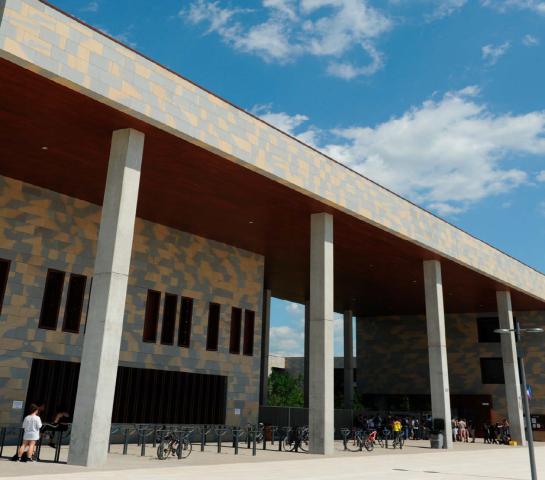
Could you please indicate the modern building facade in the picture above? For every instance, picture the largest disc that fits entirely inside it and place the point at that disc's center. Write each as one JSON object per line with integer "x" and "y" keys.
{"x": 145, "y": 224}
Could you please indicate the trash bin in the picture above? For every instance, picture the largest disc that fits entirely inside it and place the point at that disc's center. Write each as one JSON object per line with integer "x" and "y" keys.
{"x": 436, "y": 440}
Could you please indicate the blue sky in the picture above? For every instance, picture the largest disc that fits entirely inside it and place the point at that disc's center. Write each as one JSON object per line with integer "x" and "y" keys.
{"x": 441, "y": 100}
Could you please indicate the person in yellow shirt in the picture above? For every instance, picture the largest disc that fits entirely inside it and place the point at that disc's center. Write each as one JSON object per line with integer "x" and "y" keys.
{"x": 396, "y": 428}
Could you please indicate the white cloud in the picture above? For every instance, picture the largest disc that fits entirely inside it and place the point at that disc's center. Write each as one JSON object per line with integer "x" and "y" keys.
{"x": 294, "y": 308}
{"x": 91, "y": 7}
{"x": 541, "y": 176}
{"x": 288, "y": 341}
{"x": 285, "y": 122}
{"x": 492, "y": 53}
{"x": 445, "y": 209}
{"x": 289, "y": 124}
{"x": 445, "y": 154}
{"x": 348, "y": 71}
{"x": 530, "y": 40}
{"x": 438, "y": 9}
{"x": 445, "y": 8}
{"x": 295, "y": 28}
{"x": 537, "y": 6}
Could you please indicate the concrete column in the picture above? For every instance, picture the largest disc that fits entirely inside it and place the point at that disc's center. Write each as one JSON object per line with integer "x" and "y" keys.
{"x": 265, "y": 330}
{"x": 513, "y": 392}
{"x": 306, "y": 352}
{"x": 348, "y": 360}
{"x": 95, "y": 396}
{"x": 321, "y": 335}
{"x": 437, "y": 346}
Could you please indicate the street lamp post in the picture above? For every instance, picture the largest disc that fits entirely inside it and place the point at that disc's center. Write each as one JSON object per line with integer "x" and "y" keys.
{"x": 530, "y": 437}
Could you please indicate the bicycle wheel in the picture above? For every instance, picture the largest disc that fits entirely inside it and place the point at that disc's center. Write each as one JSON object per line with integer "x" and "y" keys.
{"x": 369, "y": 445}
{"x": 354, "y": 444}
{"x": 288, "y": 443}
{"x": 163, "y": 450}
{"x": 186, "y": 449}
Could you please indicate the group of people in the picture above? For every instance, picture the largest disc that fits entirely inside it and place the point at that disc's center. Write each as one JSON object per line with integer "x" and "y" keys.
{"x": 33, "y": 428}
{"x": 498, "y": 433}
{"x": 411, "y": 428}
{"x": 462, "y": 429}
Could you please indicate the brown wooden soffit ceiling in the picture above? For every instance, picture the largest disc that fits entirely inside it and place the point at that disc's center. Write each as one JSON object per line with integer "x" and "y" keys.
{"x": 191, "y": 189}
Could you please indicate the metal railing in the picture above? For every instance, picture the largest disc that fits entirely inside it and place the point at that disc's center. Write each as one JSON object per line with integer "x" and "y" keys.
{"x": 252, "y": 437}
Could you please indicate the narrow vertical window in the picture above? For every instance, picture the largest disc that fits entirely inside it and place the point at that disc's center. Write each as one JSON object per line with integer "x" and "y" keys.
{"x": 248, "y": 345}
{"x": 151, "y": 318}
{"x": 4, "y": 272}
{"x": 169, "y": 319}
{"x": 186, "y": 313}
{"x": 51, "y": 302}
{"x": 212, "y": 334}
{"x": 236, "y": 323}
{"x": 74, "y": 303}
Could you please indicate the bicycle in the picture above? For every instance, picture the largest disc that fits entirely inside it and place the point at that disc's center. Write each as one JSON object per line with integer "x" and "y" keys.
{"x": 362, "y": 440}
{"x": 170, "y": 445}
{"x": 381, "y": 438}
{"x": 296, "y": 439}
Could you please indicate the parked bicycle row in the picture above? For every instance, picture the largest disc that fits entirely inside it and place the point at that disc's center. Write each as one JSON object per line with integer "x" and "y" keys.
{"x": 178, "y": 441}
{"x": 166, "y": 440}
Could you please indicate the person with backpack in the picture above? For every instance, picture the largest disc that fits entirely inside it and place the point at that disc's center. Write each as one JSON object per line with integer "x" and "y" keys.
{"x": 31, "y": 426}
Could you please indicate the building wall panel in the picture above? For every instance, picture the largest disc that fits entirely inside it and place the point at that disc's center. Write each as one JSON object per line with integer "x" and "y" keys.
{"x": 41, "y": 229}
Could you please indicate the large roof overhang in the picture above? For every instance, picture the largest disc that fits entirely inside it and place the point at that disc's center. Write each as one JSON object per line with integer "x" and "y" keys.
{"x": 216, "y": 171}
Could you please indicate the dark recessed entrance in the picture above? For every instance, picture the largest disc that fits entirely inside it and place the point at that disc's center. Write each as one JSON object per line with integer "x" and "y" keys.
{"x": 141, "y": 395}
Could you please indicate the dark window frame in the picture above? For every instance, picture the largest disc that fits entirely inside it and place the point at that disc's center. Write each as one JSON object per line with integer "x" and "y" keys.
{"x": 235, "y": 330}
{"x": 184, "y": 327}
{"x": 249, "y": 333}
{"x": 4, "y": 279}
{"x": 213, "y": 329}
{"x": 43, "y": 323}
{"x": 151, "y": 319}
{"x": 485, "y": 330}
{"x": 168, "y": 327}
{"x": 74, "y": 277}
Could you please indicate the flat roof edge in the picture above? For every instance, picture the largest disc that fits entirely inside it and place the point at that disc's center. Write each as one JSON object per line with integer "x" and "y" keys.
{"x": 42, "y": 38}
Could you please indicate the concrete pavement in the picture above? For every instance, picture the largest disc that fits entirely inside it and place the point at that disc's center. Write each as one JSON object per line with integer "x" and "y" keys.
{"x": 416, "y": 461}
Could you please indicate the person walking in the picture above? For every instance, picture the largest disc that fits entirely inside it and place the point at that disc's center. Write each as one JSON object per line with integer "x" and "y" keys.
{"x": 31, "y": 426}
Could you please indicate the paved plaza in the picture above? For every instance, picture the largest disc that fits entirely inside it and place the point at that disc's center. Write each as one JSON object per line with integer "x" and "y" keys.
{"x": 415, "y": 461}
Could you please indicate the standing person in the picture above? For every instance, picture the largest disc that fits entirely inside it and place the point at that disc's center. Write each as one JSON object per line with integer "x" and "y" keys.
{"x": 405, "y": 428}
{"x": 471, "y": 428}
{"x": 58, "y": 424}
{"x": 397, "y": 431}
{"x": 31, "y": 426}
{"x": 463, "y": 430}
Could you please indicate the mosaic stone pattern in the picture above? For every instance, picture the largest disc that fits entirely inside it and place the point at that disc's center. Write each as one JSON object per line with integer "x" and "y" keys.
{"x": 392, "y": 357}
{"x": 41, "y": 229}
{"x": 42, "y": 39}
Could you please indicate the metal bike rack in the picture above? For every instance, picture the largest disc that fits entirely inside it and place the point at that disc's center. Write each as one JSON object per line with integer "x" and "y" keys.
{"x": 252, "y": 437}
{"x": 205, "y": 430}
{"x": 220, "y": 432}
{"x": 235, "y": 433}
{"x": 345, "y": 432}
